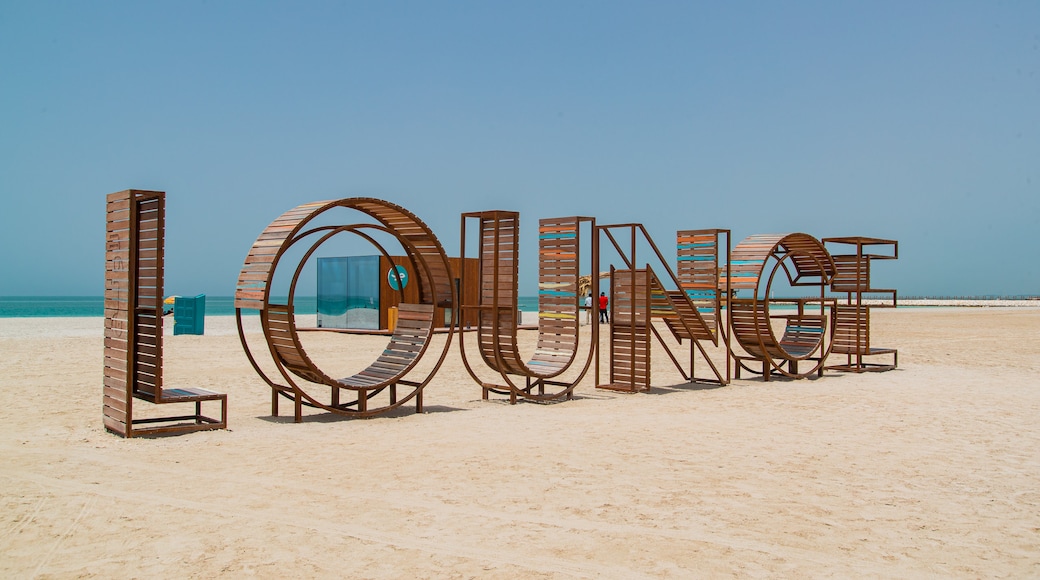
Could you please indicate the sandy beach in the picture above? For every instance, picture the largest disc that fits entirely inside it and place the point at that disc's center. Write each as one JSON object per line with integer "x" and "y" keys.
{"x": 931, "y": 470}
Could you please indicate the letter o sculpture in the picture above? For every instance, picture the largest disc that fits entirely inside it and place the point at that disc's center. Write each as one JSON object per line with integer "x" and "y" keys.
{"x": 302, "y": 378}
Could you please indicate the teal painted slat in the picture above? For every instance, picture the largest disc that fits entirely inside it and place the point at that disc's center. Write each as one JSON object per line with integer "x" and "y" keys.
{"x": 697, "y": 245}
{"x": 556, "y": 293}
{"x": 562, "y": 236}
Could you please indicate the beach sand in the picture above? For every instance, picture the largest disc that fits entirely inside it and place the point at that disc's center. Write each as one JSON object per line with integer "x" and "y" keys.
{"x": 929, "y": 470}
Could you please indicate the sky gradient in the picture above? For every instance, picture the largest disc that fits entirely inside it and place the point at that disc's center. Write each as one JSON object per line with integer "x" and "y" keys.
{"x": 918, "y": 121}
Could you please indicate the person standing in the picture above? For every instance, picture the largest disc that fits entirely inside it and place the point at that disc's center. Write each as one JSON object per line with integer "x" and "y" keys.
{"x": 588, "y": 308}
{"x": 603, "y": 301}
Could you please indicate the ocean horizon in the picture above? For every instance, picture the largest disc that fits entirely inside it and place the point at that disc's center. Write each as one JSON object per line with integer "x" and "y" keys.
{"x": 94, "y": 306}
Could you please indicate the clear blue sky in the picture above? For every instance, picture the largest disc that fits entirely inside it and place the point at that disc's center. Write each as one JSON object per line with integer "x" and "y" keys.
{"x": 913, "y": 120}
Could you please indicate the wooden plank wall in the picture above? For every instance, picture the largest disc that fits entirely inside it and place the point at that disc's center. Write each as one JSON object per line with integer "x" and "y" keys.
{"x": 629, "y": 330}
{"x": 133, "y": 303}
{"x": 852, "y": 329}
{"x": 117, "y": 399}
{"x": 469, "y": 293}
{"x": 388, "y": 297}
{"x": 148, "y": 319}
{"x": 499, "y": 250}
{"x": 558, "y": 253}
{"x": 697, "y": 255}
{"x": 852, "y": 321}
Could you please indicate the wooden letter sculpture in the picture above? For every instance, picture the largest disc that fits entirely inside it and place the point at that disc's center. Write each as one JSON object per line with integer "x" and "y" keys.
{"x": 411, "y": 337}
{"x": 852, "y": 319}
{"x": 134, "y": 322}
{"x": 688, "y": 304}
{"x": 805, "y": 336}
{"x": 559, "y": 252}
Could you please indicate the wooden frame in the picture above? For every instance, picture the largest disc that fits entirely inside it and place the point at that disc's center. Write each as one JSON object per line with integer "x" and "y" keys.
{"x": 852, "y": 319}
{"x": 302, "y": 378}
{"x": 630, "y": 330}
{"x": 698, "y": 256}
{"x": 640, "y": 297}
{"x": 559, "y": 264}
{"x": 133, "y": 356}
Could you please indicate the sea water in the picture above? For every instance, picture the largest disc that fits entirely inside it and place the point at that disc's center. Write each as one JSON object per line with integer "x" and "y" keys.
{"x": 51, "y": 306}
{"x": 86, "y": 306}
{"x": 81, "y": 306}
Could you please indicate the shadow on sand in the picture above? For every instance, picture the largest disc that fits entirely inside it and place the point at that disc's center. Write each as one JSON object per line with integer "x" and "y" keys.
{"x": 326, "y": 417}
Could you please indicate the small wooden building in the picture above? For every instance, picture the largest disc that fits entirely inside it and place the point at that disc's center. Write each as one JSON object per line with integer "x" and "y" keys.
{"x": 357, "y": 292}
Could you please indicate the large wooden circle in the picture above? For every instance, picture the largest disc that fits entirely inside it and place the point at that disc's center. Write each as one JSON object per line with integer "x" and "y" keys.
{"x": 436, "y": 288}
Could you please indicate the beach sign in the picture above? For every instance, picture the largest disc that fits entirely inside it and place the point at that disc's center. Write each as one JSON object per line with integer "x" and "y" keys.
{"x": 401, "y": 274}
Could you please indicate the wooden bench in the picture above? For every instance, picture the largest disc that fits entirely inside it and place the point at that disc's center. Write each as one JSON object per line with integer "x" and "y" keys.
{"x": 557, "y": 301}
{"x": 803, "y": 335}
{"x": 752, "y": 327}
{"x": 407, "y": 343}
{"x": 498, "y": 315}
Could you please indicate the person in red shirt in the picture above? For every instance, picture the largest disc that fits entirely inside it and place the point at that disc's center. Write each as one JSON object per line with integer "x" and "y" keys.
{"x": 603, "y": 301}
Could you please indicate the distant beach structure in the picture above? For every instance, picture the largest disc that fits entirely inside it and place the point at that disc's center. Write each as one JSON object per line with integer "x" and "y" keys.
{"x": 363, "y": 292}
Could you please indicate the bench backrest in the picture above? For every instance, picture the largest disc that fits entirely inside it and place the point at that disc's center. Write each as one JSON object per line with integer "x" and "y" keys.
{"x": 752, "y": 329}
{"x": 557, "y": 294}
{"x": 407, "y": 343}
{"x": 135, "y": 234}
{"x": 803, "y": 334}
{"x": 697, "y": 255}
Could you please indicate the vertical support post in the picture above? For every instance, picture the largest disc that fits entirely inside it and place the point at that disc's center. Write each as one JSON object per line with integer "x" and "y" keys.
{"x": 594, "y": 312}
{"x": 595, "y": 292}
{"x": 728, "y": 335}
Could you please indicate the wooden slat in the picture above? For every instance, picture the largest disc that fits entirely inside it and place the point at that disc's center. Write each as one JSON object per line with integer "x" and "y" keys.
{"x": 116, "y": 426}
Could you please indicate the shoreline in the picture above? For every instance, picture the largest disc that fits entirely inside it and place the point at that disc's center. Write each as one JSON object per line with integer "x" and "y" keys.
{"x": 224, "y": 324}
{"x": 529, "y": 305}
{"x": 901, "y": 303}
